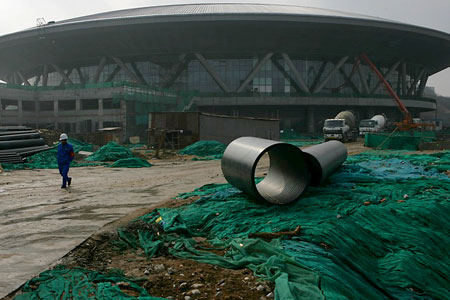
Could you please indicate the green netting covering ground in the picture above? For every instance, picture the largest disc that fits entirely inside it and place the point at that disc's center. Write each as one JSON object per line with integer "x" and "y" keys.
{"x": 47, "y": 159}
{"x": 304, "y": 142}
{"x": 133, "y": 162}
{"x": 398, "y": 140}
{"x": 63, "y": 284}
{"x": 377, "y": 230}
{"x": 299, "y": 140}
{"x": 80, "y": 146}
{"x": 293, "y": 135}
{"x": 110, "y": 152}
{"x": 205, "y": 150}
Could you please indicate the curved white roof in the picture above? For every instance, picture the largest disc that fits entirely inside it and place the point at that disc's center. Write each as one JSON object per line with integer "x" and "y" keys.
{"x": 220, "y": 9}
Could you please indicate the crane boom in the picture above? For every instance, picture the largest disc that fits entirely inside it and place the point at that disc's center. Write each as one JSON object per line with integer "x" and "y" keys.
{"x": 401, "y": 106}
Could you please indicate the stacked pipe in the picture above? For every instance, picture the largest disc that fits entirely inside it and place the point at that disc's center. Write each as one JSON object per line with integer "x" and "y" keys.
{"x": 19, "y": 142}
{"x": 291, "y": 170}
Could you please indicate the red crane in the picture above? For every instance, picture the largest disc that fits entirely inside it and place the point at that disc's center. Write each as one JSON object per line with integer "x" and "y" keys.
{"x": 407, "y": 123}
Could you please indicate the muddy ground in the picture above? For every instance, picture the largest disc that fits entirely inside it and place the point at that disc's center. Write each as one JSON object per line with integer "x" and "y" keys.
{"x": 42, "y": 223}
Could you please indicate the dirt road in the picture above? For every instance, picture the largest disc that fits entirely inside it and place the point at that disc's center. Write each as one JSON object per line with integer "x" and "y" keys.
{"x": 40, "y": 222}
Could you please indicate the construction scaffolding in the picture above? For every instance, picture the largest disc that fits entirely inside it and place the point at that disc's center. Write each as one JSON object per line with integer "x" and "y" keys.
{"x": 137, "y": 102}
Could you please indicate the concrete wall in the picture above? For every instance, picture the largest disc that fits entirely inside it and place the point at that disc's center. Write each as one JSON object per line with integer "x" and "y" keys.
{"x": 226, "y": 129}
{"x": 61, "y": 109}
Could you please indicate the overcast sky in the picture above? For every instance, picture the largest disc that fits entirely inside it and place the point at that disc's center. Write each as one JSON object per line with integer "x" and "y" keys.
{"x": 19, "y": 14}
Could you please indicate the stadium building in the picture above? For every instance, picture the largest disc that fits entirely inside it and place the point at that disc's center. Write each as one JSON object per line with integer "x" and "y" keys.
{"x": 298, "y": 64}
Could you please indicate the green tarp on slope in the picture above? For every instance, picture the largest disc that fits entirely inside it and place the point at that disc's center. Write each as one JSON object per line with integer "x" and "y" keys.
{"x": 133, "y": 162}
{"x": 205, "y": 150}
{"x": 377, "y": 230}
{"x": 110, "y": 152}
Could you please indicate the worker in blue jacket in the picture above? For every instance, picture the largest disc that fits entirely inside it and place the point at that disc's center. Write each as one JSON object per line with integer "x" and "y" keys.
{"x": 65, "y": 156}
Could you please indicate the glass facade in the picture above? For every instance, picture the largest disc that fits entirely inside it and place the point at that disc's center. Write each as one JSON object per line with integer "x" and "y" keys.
{"x": 274, "y": 77}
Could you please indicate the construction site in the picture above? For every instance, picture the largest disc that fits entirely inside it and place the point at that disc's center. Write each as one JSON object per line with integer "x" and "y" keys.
{"x": 223, "y": 163}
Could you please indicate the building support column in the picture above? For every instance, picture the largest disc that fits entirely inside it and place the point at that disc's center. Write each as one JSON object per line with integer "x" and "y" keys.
{"x": 63, "y": 75}
{"x": 45, "y": 76}
{"x": 100, "y": 114}
{"x": 340, "y": 63}
{"x": 212, "y": 72}
{"x": 363, "y": 80}
{"x": 124, "y": 67}
{"x": 310, "y": 119}
{"x": 123, "y": 113}
{"x": 37, "y": 109}
{"x": 422, "y": 85}
{"x": 252, "y": 74}
{"x": 113, "y": 74}
{"x": 413, "y": 86}
{"x": 404, "y": 87}
{"x": 22, "y": 77}
{"x": 301, "y": 83}
{"x": 100, "y": 67}
{"x": 55, "y": 113}
{"x": 77, "y": 112}
{"x": 20, "y": 111}
{"x": 388, "y": 73}
{"x": 172, "y": 74}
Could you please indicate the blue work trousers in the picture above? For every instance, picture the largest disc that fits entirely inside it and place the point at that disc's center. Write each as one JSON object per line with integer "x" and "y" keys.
{"x": 64, "y": 171}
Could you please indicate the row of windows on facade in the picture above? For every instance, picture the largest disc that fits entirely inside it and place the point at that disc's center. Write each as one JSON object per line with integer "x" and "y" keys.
{"x": 66, "y": 105}
{"x": 233, "y": 72}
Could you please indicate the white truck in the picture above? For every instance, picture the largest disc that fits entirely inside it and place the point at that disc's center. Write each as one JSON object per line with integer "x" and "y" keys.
{"x": 375, "y": 124}
{"x": 342, "y": 127}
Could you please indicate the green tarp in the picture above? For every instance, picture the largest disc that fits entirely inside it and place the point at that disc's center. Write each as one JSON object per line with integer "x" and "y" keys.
{"x": 205, "y": 150}
{"x": 110, "y": 152}
{"x": 378, "y": 229}
{"x": 133, "y": 162}
{"x": 78, "y": 284}
{"x": 398, "y": 140}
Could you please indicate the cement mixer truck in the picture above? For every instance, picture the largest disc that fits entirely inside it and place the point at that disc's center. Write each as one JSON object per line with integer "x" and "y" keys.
{"x": 342, "y": 127}
{"x": 375, "y": 124}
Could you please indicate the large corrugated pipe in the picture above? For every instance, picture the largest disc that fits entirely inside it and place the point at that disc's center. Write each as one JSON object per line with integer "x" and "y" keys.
{"x": 324, "y": 159}
{"x": 290, "y": 170}
{"x": 286, "y": 178}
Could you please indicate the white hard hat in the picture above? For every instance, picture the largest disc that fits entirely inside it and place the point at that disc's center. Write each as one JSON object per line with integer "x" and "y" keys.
{"x": 63, "y": 137}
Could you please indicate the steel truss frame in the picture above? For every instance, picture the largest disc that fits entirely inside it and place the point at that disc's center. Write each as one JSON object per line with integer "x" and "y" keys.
{"x": 413, "y": 87}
